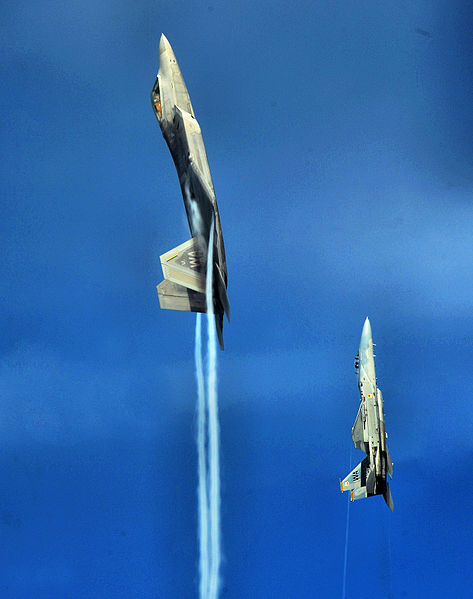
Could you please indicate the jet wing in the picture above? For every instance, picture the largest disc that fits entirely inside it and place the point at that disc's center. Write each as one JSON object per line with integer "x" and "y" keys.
{"x": 357, "y": 432}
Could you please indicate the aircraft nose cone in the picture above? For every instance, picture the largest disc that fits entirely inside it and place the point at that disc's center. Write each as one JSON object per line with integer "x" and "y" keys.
{"x": 164, "y": 44}
{"x": 366, "y": 329}
{"x": 366, "y": 333}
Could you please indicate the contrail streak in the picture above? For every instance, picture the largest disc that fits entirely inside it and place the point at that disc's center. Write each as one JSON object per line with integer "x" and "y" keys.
{"x": 345, "y": 557}
{"x": 202, "y": 457}
{"x": 202, "y": 464}
{"x": 207, "y": 430}
{"x": 212, "y": 404}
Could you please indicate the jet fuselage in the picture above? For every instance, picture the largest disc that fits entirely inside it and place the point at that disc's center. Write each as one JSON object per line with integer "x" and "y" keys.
{"x": 173, "y": 109}
{"x": 369, "y": 433}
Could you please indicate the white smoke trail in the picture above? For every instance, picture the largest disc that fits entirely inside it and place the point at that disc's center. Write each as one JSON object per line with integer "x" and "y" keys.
{"x": 202, "y": 464}
{"x": 345, "y": 557}
{"x": 207, "y": 430}
{"x": 202, "y": 458}
{"x": 212, "y": 404}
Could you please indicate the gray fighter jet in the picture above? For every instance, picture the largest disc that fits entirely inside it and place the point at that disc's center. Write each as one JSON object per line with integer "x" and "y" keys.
{"x": 368, "y": 432}
{"x": 185, "y": 266}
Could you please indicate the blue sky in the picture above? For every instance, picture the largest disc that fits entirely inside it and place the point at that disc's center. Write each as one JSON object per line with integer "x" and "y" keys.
{"x": 339, "y": 139}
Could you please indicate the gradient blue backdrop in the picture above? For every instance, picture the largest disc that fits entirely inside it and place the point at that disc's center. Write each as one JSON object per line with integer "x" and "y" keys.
{"x": 339, "y": 135}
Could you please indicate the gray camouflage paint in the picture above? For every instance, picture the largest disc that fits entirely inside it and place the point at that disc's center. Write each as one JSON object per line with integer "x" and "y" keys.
{"x": 173, "y": 109}
{"x": 369, "y": 432}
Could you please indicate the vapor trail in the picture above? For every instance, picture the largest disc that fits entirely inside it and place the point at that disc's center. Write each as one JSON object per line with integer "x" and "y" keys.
{"x": 202, "y": 464}
{"x": 345, "y": 558}
{"x": 202, "y": 457}
{"x": 213, "y": 428}
{"x": 207, "y": 429}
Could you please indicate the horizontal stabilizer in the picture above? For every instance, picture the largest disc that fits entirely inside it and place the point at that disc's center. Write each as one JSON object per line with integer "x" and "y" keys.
{"x": 176, "y": 297}
{"x": 360, "y": 493}
{"x": 183, "y": 288}
{"x": 388, "y": 498}
{"x": 185, "y": 265}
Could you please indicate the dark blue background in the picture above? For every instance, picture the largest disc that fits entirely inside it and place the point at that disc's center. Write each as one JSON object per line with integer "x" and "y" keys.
{"x": 339, "y": 135}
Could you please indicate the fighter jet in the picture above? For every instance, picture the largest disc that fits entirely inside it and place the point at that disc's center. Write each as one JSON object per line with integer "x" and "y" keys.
{"x": 368, "y": 432}
{"x": 185, "y": 266}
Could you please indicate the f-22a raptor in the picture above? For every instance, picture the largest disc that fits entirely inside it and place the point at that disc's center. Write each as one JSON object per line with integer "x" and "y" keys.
{"x": 369, "y": 433}
{"x": 185, "y": 266}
